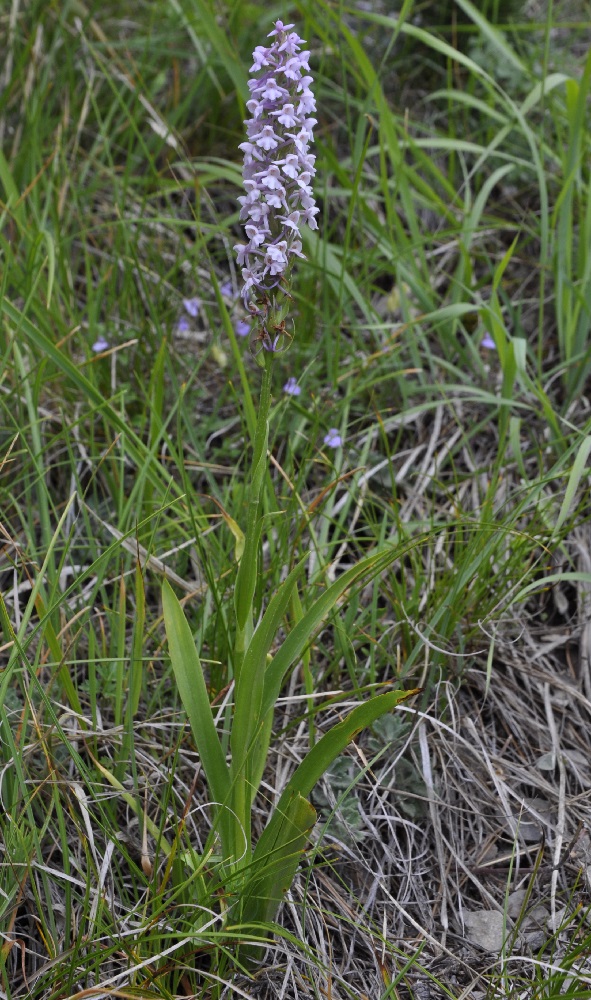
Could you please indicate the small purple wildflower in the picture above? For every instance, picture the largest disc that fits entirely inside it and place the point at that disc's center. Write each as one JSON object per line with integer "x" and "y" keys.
{"x": 291, "y": 387}
{"x": 241, "y": 328}
{"x": 333, "y": 439}
{"x": 192, "y": 306}
{"x": 183, "y": 325}
{"x": 488, "y": 342}
{"x": 278, "y": 168}
{"x": 227, "y": 290}
{"x": 100, "y": 345}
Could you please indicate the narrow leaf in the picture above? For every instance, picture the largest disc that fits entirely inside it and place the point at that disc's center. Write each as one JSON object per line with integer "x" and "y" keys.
{"x": 546, "y": 582}
{"x": 249, "y": 687}
{"x": 301, "y": 634}
{"x": 137, "y": 646}
{"x": 59, "y": 657}
{"x": 188, "y": 674}
{"x": 50, "y": 244}
{"x": 576, "y": 474}
{"x": 273, "y": 873}
{"x": 495, "y": 37}
{"x": 321, "y": 756}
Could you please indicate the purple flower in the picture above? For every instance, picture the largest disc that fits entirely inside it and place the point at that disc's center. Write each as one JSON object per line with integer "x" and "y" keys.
{"x": 260, "y": 59}
{"x": 291, "y": 387}
{"x": 227, "y": 289}
{"x": 249, "y": 278}
{"x": 275, "y": 258}
{"x": 278, "y": 169}
{"x": 267, "y": 139}
{"x": 279, "y": 27}
{"x": 100, "y": 345}
{"x": 241, "y": 328}
{"x": 488, "y": 342}
{"x": 183, "y": 325}
{"x": 272, "y": 344}
{"x": 333, "y": 439}
{"x": 192, "y": 306}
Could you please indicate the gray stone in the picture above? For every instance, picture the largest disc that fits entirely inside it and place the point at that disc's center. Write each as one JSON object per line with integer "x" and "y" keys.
{"x": 486, "y": 928}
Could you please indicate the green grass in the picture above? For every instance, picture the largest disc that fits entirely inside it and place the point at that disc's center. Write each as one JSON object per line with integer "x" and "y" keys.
{"x": 454, "y": 189}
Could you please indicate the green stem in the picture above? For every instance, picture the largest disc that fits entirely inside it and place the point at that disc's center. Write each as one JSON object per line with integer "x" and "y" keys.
{"x": 247, "y": 572}
{"x": 243, "y": 600}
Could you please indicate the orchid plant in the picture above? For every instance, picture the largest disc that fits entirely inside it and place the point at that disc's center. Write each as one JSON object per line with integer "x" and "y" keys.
{"x": 278, "y": 202}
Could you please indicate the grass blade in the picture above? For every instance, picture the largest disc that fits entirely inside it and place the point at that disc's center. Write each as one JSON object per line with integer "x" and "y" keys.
{"x": 574, "y": 480}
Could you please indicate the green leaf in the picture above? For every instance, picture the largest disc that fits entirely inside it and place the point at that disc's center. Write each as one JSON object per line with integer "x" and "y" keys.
{"x": 495, "y": 37}
{"x": 576, "y": 474}
{"x": 58, "y": 654}
{"x": 319, "y": 759}
{"x": 238, "y": 534}
{"x": 272, "y": 872}
{"x": 546, "y": 582}
{"x": 300, "y": 636}
{"x": 137, "y": 646}
{"x": 473, "y": 220}
{"x": 50, "y": 244}
{"x": 10, "y": 189}
{"x": 188, "y": 674}
{"x": 249, "y": 686}
{"x": 196, "y": 12}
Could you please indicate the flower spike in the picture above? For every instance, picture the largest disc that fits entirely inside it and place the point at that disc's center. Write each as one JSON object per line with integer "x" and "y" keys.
{"x": 277, "y": 174}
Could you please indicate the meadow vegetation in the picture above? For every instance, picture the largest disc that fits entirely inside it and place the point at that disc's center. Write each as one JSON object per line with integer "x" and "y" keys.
{"x": 430, "y": 423}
